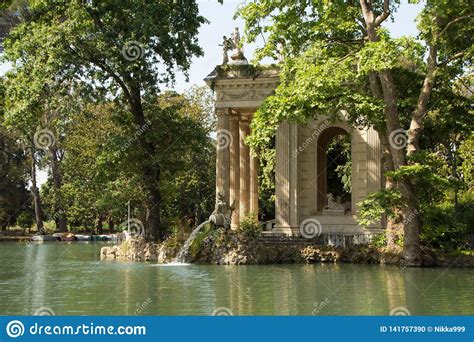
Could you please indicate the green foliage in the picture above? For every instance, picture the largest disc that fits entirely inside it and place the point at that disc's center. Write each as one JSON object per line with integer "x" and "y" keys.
{"x": 178, "y": 236}
{"x": 379, "y": 241}
{"x": 208, "y": 231}
{"x": 467, "y": 166}
{"x": 13, "y": 174}
{"x": 119, "y": 52}
{"x": 464, "y": 209}
{"x": 339, "y": 168}
{"x": 249, "y": 228}
{"x": 378, "y": 203}
{"x": 442, "y": 230}
{"x": 100, "y": 164}
{"x": 266, "y": 191}
{"x": 25, "y": 220}
{"x": 331, "y": 66}
{"x": 388, "y": 54}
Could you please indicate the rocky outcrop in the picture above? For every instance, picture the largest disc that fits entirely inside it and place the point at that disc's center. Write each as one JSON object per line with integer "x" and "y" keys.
{"x": 133, "y": 250}
{"x": 227, "y": 247}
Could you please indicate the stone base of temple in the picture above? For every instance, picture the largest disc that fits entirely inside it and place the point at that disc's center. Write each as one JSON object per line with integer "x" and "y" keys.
{"x": 346, "y": 224}
{"x": 333, "y": 212}
{"x": 324, "y": 239}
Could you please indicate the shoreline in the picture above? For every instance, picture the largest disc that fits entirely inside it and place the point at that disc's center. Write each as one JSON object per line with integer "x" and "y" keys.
{"x": 238, "y": 252}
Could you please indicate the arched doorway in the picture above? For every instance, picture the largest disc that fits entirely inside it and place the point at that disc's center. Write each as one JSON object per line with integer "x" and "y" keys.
{"x": 333, "y": 161}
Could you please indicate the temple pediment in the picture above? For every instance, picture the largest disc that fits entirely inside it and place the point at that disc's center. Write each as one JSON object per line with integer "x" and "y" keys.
{"x": 242, "y": 86}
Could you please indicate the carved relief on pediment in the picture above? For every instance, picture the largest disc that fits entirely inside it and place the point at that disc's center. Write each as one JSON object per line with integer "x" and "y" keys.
{"x": 246, "y": 95}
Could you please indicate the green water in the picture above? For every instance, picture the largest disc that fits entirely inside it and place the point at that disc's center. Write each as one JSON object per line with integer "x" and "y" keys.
{"x": 71, "y": 280}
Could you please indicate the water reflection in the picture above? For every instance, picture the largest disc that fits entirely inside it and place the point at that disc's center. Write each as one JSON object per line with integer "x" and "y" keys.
{"x": 71, "y": 280}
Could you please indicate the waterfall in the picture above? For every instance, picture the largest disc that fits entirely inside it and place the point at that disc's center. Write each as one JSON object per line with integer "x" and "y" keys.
{"x": 183, "y": 253}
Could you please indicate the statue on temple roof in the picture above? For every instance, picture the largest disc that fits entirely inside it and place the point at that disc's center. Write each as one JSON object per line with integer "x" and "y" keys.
{"x": 233, "y": 43}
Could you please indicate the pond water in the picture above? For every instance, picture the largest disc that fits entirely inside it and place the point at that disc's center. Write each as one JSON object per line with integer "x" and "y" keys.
{"x": 69, "y": 279}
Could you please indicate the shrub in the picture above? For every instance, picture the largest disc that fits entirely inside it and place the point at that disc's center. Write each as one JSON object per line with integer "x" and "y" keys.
{"x": 379, "y": 241}
{"x": 250, "y": 228}
{"x": 25, "y": 220}
{"x": 376, "y": 204}
{"x": 198, "y": 242}
{"x": 442, "y": 230}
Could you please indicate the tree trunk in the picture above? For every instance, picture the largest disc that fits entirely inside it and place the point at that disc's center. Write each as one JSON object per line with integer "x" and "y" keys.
{"x": 411, "y": 229}
{"x": 392, "y": 228}
{"x": 99, "y": 223}
{"x": 57, "y": 181}
{"x": 416, "y": 124}
{"x": 111, "y": 223}
{"x": 35, "y": 192}
{"x": 411, "y": 224}
{"x": 151, "y": 171}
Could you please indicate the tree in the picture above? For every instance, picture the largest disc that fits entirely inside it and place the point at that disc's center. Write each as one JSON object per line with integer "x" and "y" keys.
{"x": 339, "y": 58}
{"x": 128, "y": 47}
{"x": 14, "y": 197}
{"x": 101, "y": 162}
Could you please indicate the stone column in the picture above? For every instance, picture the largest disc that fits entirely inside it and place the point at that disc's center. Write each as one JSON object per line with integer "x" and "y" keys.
{"x": 224, "y": 140}
{"x": 374, "y": 171}
{"x": 235, "y": 169}
{"x": 282, "y": 178}
{"x": 254, "y": 185}
{"x": 286, "y": 179}
{"x": 293, "y": 173}
{"x": 244, "y": 131}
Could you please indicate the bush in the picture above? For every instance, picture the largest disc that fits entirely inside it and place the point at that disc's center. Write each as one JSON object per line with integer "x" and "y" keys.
{"x": 376, "y": 204}
{"x": 198, "y": 242}
{"x": 442, "y": 230}
{"x": 25, "y": 220}
{"x": 379, "y": 241}
{"x": 250, "y": 228}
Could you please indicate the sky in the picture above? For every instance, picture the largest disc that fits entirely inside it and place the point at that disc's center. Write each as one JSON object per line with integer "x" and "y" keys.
{"x": 222, "y": 23}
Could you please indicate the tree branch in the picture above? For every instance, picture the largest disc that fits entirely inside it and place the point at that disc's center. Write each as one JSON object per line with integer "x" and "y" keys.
{"x": 366, "y": 11}
{"x": 386, "y": 12}
{"x": 450, "y": 59}
{"x": 452, "y": 22}
{"x": 108, "y": 70}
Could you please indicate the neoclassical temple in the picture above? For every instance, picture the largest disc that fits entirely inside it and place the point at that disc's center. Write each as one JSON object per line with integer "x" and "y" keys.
{"x": 301, "y": 158}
